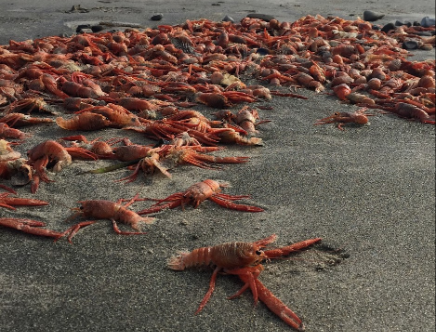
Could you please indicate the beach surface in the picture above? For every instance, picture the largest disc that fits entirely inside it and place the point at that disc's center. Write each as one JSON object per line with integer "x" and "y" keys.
{"x": 368, "y": 192}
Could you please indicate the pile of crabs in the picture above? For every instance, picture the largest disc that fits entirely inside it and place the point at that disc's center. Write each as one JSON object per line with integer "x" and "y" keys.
{"x": 150, "y": 81}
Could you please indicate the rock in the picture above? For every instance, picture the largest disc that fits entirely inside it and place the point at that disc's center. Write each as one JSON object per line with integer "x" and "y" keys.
{"x": 371, "y": 16}
{"x": 80, "y": 27}
{"x": 157, "y": 17}
{"x": 183, "y": 44}
{"x": 97, "y": 28}
{"x": 262, "y": 51}
{"x": 227, "y": 18}
{"x": 410, "y": 44}
{"x": 264, "y": 17}
{"x": 389, "y": 26}
{"x": 399, "y": 23}
{"x": 427, "y": 22}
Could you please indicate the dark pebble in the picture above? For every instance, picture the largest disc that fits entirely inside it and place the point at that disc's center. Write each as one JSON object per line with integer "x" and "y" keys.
{"x": 157, "y": 17}
{"x": 399, "y": 23}
{"x": 389, "y": 26}
{"x": 376, "y": 27}
{"x": 97, "y": 28}
{"x": 182, "y": 45}
{"x": 82, "y": 26}
{"x": 264, "y": 17}
{"x": 410, "y": 45}
{"x": 427, "y": 22}
{"x": 262, "y": 51}
{"x": 161, "y": 142}
{"x": 227, "y": 18}
{"x": 370, "y": 16}
{"x": 416, "y": 24}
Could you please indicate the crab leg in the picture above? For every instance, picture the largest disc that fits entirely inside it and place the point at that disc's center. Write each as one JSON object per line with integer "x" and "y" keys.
{"x": 173, "y": 200}
{"x": 274, "y": 253}
{"x": 75, "y": 228}
{"x": 233, "y": 206}
{"x": 118, "y": 231}
{"x": 29, "y": 226}
{"x": 8, "y": 189}
{"x": 249, "y": 276}
{"x": 10, "y": 202}
{"x": 232, "y": 197}
{"x": 265, "y": 295}
{"x": 156, "y": 208}
{"x": 210, "y": 290}
{"x": 276, "y": 305}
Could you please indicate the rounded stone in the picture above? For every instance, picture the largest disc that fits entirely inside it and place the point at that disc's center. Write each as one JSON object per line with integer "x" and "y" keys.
{"x": 371, "y": 16}
{"x": 410, "y": 45}
{"x": 157, "y": 17}
{"x": 389, "y": 26}
{"x": 427, "y": 22}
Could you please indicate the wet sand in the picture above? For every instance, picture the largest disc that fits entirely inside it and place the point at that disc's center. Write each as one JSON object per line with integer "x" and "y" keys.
{"x": 368, "y": 191}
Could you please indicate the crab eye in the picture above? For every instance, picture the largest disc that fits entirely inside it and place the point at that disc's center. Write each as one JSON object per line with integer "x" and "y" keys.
{"x": 258, "y": 252}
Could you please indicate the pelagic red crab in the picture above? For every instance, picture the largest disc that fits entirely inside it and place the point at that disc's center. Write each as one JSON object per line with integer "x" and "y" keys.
{"x": 244, "y": 260}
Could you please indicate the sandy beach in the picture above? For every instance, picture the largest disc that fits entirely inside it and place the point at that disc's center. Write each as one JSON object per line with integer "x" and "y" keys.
{"x": 369, "y": 192}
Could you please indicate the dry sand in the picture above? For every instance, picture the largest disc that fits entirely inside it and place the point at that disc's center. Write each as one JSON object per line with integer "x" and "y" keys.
{"x": 368, "y": 190}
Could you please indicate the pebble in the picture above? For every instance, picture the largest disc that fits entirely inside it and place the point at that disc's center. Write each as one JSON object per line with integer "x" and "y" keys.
{"x": 264, "y": 17}
{"x": 399, "y": 23}
{"x": 80, "y": 27}
{"x": 262, "y": 51}
{"x": 97, "y": 28}
{"x": 410, "y": 45}
{"x": 157, "y": 17}
{"x": 227, "y": 18}
{"x": 389, "y": 26}
{"x": 427, "y": 22}
{"x": 371, "y": 16}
